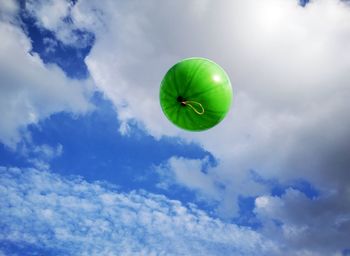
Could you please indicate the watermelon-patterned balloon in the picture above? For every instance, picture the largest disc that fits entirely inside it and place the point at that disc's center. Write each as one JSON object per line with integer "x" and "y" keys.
{"x": 195, "y": 94}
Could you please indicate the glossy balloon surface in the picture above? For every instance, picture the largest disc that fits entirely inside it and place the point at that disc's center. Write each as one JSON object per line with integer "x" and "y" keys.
{"x": 195, "y": 94}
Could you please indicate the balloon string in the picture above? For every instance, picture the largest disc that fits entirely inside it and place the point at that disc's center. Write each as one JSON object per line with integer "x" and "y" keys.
{"x": 188, "y": 103}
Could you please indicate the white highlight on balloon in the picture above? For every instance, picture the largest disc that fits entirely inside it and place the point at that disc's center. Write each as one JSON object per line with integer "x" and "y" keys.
{"x": 216, "y": 78}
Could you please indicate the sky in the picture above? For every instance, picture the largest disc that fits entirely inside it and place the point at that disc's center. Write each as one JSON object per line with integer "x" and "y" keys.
{"x": 89, "y": 165}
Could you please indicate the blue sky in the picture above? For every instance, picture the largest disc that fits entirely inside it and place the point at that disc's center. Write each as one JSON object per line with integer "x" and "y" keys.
{"x": 89, "y": 165}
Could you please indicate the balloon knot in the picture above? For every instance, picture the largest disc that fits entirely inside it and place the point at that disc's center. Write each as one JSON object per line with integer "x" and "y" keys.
{"x": 181, "y": 100}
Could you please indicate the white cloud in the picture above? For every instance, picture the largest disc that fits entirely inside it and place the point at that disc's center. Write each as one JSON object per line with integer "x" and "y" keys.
{"x": 55, "y": 16}
{"x": 74, "y": 217}
{"x": 8, "y": 9}
{"x": 51, "y": 13}
{"x": 31, "y": 90}
{"x": 319, "y": 226}
{"x": 48, "y": 152}
{"x": 50, "y": 44}
{"x": 40, "y": 155}
{"x": 190, "y": 174}
{"x": 288, "y": 67}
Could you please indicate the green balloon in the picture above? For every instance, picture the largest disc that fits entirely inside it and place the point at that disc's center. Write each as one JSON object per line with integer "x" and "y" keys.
{"x": 195, "y": 94}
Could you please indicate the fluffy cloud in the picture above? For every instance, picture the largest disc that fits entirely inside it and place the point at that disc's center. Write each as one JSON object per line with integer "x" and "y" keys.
{"x": 73, "y": 217}
{"x": 55, "y": 15}
{"x": 8, "y": 9}
{"x": 31, "y": 90}
{"x": 189, "y": 173}
{"x": 308, "y": 224}
{"x": 289, "y": 67}
{"x": 289, "y": 70}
